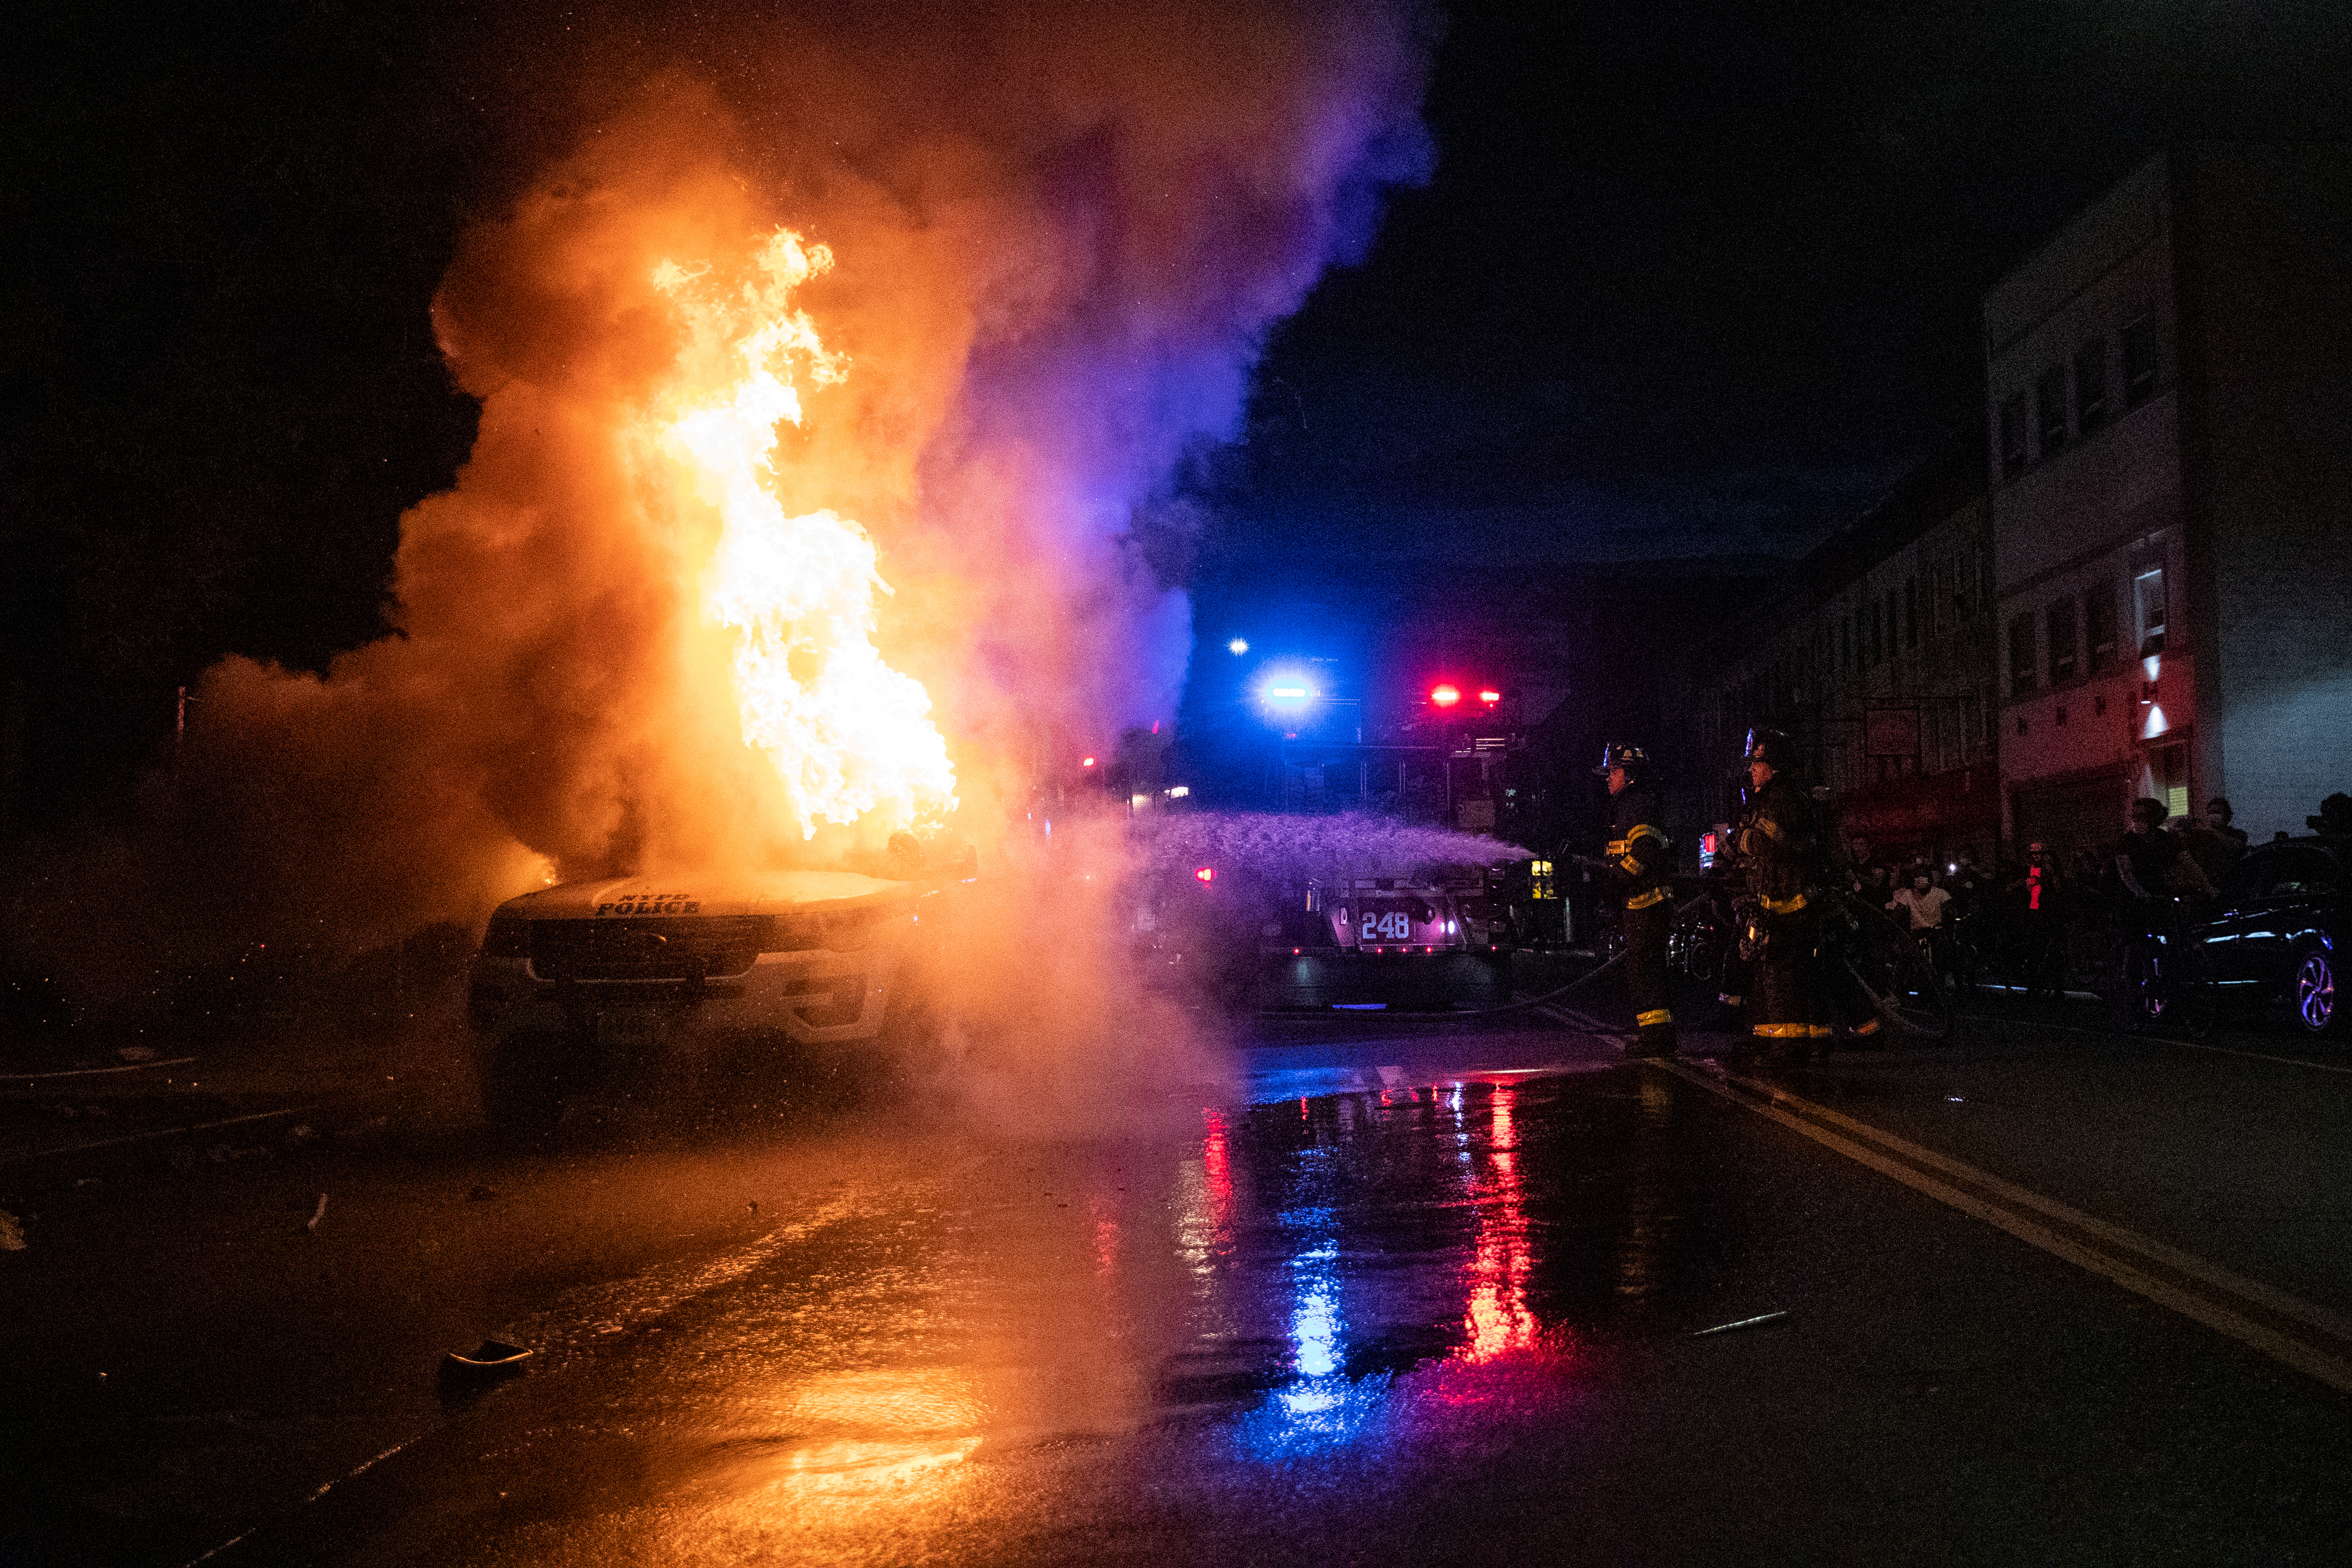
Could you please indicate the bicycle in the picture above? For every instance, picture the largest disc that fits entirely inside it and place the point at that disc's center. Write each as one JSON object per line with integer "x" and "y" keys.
{"x": 2164, "y": 982}
{"x": 1890, "y": 965}
{"x": 1964, "y": 949}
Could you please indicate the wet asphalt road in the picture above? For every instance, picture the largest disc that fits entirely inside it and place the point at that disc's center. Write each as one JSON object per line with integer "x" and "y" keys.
{"x": 1400, "y": 1291}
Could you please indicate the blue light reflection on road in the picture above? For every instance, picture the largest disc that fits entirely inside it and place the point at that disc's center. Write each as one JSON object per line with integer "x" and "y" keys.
{"x": 1502, "y": 1352}
{"x": 1322, "y": 1407}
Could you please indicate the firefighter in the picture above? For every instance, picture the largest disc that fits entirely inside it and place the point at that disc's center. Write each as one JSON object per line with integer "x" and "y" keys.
{"x": 1638, "y": 858}
{"x": 1782, "y": 854}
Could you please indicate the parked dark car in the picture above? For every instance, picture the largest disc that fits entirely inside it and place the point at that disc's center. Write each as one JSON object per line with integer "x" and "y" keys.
{"x": 2273, "y": 937}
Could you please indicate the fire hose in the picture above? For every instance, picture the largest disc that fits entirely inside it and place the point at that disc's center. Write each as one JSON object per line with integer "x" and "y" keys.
{"x": 1933, "y": 1029}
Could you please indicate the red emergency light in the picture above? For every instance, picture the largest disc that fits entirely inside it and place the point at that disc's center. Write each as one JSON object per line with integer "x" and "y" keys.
{"x": 1207, "y": 873}
{"x": 1490, "y": 697}
{"x": 1446, "y": 695}
{"x": 1089, "y": 762}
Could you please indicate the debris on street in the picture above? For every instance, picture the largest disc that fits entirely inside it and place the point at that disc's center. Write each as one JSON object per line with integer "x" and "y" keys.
{"x": 495, "y": 1358}
{"x": 317, "y": 1215}
{"x": 1754, "y": 1323}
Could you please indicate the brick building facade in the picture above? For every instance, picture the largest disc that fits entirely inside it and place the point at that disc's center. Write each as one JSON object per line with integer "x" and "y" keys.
{"x": 1878, "y": 656}
{"x": 2169, "y": 401}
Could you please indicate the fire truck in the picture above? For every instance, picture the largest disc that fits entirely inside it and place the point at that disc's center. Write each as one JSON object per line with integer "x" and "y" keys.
{"x": 1437, "y": 939}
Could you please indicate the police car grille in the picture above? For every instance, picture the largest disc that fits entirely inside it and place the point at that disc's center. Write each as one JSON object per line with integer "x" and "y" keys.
{"x": 685, "y": 948}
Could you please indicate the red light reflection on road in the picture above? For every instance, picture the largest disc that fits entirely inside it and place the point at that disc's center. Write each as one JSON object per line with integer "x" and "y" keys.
{"x": 1497, "y": 1318}
{"x": 1217, "y": 1163}
{"x": 1205, "y": 1229}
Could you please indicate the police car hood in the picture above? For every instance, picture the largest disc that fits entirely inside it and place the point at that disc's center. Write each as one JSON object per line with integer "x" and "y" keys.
{"x": 778, "y": 892}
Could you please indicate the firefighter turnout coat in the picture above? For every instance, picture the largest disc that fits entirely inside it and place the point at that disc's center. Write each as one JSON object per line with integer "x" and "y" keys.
{"x": 1638, "y": 855}
{"x": 1638, "y": 849}
{"x": 1781, "y": 850}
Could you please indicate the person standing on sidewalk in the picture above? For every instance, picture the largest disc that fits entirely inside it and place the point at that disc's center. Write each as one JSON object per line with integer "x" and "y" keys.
{"x": 1921, "y": 906}
{"x": 1638, "y": 857}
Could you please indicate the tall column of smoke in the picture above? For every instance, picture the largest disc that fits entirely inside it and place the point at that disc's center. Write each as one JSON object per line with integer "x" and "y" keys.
{"x": 1061, "y": 232}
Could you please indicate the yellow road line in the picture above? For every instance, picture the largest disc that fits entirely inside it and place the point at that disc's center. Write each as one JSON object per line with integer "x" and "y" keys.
{"x": 2309, "y": 1338}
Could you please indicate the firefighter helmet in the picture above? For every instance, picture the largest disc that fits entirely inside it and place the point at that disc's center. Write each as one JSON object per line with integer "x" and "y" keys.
{"x": 1772, "y": 746}
{"x": 1631, "y": 758}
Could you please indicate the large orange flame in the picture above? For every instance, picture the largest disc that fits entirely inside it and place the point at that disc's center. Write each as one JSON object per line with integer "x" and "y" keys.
{"x": 641, "y": 633}
{"x": 848, "y": 734}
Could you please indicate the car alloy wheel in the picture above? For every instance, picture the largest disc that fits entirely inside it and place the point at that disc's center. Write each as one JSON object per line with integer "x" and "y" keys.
{"x": 2315, "y": 992}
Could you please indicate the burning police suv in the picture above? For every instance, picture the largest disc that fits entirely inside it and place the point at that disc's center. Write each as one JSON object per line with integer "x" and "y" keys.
{"x": 576, "y": 982}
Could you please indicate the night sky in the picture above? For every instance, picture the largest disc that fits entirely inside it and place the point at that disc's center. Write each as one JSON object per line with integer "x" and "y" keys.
{"x": 1690, "y": 279}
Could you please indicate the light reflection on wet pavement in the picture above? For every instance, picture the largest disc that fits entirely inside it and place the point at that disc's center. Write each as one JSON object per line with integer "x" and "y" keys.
{"x": 1035, "y": 1344}
{"x": 1404, "y": 1294}
{"x": 1422, "y": 1318}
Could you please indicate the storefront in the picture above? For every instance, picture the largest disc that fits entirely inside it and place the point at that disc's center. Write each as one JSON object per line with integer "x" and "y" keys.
{"x": 1928, "y": 818}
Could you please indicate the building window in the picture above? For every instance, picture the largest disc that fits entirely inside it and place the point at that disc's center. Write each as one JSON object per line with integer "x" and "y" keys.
{"x": 1910, "y": 612}
{"x": 2139, "y": 360}
{"x": 2021, "y": 655}
{"x": 2147, "y": 609}
{"x": 2050, "y": 404}
{"x": 2091, "y": 385}
{"x": 2011, "y": 435}
{"x": 2167, "y": 775}
{"x": 2099, "y": 626}
{"x": 2062, "y": 642}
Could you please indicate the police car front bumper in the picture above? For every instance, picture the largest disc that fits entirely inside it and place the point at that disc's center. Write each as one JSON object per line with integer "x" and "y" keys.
{"x": 809, "y": 998}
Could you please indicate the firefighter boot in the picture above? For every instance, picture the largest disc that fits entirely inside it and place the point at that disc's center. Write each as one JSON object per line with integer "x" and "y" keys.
{"x": 1655, "y": 1034}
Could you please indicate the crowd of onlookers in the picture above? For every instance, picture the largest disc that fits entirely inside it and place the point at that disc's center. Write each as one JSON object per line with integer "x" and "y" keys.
{"x": 2024, "y": 911}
